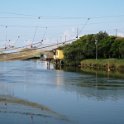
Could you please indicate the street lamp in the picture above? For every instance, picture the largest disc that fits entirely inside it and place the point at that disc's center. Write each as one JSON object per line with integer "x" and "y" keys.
{"x": 6, "y": 32}
{"x": 96, "y": 41}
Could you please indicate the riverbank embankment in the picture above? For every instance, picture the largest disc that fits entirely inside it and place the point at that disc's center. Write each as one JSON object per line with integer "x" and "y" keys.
{"x": 104, "y": 64}
{"x": 20, "y": 55}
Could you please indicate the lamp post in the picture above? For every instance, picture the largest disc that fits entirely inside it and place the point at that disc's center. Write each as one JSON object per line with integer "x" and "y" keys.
{"x": 96, "y": 49}
{"x": 77, "y": 34}
{"x": 6, "y": 32}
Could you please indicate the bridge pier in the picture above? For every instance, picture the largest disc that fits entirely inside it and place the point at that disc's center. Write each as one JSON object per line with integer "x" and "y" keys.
{"x": 58, "y": 64}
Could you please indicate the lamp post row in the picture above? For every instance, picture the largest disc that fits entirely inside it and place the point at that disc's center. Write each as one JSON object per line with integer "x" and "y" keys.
{"x": 96, "y": 41}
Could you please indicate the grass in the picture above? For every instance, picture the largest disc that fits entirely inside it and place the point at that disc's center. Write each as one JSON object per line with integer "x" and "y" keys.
{"x": 112, "y": 64}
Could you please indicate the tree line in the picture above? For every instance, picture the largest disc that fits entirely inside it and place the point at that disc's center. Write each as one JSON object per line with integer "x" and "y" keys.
{"x": 86, "y": 47}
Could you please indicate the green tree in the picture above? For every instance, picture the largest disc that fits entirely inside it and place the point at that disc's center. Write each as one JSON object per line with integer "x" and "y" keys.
{"x": 85, "y": 47}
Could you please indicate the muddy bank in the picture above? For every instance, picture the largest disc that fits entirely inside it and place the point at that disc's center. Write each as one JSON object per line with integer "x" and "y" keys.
{"x": 9, "y": 104}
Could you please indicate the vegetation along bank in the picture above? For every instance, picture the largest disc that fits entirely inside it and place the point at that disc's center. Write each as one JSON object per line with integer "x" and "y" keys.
{"x": 104, "y": 64}
{"x": 108, "y": 50}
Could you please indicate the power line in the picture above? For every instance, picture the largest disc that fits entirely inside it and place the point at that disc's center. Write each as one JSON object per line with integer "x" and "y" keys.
{"x": 56, "y": 17}
{"x": 9, "y": 17}
{"x": 75, "y": 17}
{"x": 44, "y": 34}
{"x": 55, "y": 26}
{"x": 36, "y": 28}
{"x": 16, "y": 48}
{"x": 18, "y": 14}
{"x": 85, "y": 24}
{"x": 40, "y": 47}
{"x": 109, "y": 16}
{"x": 23, "y": 26}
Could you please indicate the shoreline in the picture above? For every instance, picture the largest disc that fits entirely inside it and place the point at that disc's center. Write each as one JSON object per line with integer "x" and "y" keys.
{"x": 109, "y": 65}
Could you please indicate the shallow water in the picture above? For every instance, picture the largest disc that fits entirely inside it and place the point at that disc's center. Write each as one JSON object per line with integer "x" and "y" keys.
{"x": 79, "y": 97}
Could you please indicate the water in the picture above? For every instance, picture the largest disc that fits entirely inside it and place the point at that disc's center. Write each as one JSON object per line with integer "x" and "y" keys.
{"x": 70, "y": 97}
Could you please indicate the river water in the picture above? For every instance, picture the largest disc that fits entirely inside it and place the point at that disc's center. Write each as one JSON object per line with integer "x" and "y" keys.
{"x": 70, "y": 97}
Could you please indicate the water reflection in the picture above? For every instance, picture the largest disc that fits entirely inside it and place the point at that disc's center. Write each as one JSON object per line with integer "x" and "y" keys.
{"x": 29, "y": 73}
{"x": 77, "y": 95}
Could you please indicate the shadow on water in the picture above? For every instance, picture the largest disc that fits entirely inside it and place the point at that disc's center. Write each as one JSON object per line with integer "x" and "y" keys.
{"x": 99, "y": 79}
{"x": 112, "y": 74}
{"x": 101, "y": 86}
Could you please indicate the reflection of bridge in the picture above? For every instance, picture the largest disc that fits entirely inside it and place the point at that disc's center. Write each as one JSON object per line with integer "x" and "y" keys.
{"x": 27, "y": 52}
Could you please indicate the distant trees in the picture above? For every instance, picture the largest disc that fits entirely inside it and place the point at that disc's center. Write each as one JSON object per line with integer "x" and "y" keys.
{"x": 118, "y": 48}
{"x": 85, "y": 48}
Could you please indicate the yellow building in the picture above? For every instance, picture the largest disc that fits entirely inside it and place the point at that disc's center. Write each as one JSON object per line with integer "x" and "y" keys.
{"x": 58, "y": 54}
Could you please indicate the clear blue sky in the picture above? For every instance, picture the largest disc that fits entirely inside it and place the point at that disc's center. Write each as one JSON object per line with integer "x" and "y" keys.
{"x": 56, "y": 16}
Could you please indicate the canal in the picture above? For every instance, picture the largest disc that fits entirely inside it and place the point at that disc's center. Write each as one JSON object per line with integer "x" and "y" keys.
{"x": 31, "y": 93}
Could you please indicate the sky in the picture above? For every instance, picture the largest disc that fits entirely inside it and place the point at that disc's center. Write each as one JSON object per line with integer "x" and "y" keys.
{"x": 25, "y": 21}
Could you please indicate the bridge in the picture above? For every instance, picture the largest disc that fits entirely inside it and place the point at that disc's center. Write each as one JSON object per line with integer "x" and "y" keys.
{"x": 29, "y": 51}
